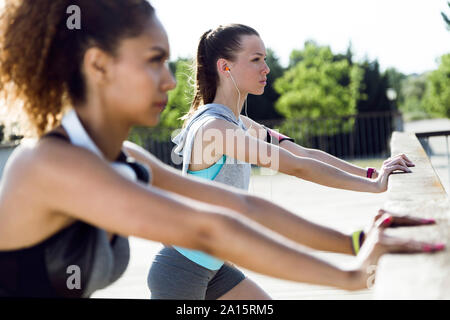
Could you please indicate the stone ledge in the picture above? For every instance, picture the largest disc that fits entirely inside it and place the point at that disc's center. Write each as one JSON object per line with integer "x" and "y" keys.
{"x": 421, "y": 194}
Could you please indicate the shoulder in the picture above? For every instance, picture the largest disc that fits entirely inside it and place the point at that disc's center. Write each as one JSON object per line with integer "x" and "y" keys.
{"x": 35, "y": 161}
{"x": 26, "y": 158}
{"x": 246, "y": 121}
{"x": 217, "y": 128}
{"x": 254, "y": 128}
{"x": 219, "y": 124}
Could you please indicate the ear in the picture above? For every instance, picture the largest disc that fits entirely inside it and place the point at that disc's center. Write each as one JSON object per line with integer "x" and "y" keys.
{"x": 96, "y": 64}
{"x": 222, "y": 66}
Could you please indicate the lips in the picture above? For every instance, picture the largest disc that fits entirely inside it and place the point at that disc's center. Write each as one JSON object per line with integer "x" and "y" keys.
{"x": 161, "y": 104}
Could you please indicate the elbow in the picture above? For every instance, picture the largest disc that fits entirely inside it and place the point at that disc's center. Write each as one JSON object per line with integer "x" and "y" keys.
{"x": 304, "y": 168}
{"x": 296, "y": 172}
{"x": 295, "y": 167}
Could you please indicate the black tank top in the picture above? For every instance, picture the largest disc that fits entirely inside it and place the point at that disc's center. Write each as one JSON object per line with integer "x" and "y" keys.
{"x": 74, "y": 262}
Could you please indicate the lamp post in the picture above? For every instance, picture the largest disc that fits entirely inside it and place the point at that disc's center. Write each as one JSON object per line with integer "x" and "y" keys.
{"x": 392, "y": 97}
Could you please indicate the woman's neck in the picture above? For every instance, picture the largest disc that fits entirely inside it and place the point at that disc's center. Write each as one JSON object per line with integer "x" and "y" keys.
{"x": 106, "y": 131}
{"x": 229, "y": 97}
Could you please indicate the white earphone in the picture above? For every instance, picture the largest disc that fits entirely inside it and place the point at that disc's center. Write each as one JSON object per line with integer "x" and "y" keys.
{"x": 227, "y": 69}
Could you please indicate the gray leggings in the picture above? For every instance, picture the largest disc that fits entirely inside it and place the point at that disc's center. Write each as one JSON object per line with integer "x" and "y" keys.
{"x": 172, "y": 276}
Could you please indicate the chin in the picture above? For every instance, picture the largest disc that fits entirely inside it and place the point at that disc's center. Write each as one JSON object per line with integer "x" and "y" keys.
{"x": 258, "y": 92}
{"x": 148, "y": 121}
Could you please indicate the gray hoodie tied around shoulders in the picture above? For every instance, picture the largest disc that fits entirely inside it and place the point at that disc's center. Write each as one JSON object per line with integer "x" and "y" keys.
{"x": 233, "y": 172}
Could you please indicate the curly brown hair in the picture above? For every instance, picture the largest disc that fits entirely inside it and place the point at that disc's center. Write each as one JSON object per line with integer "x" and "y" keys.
{"x": 41, "y": 58}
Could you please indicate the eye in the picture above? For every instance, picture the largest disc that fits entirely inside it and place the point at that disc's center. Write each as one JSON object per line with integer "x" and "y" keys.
{"x": 157, "y": 59}
{"x": 259, "y": 59}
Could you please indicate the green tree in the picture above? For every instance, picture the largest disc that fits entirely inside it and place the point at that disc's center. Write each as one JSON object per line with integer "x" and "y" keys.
{"x": 412, "y": 94}
{"x": 181, "y": 97}
{"x": 446, "y": 18}
{"x": 437, "y": 91}
{"x": 297, "y": 56}
{"x": 319, "y": 85}
{"x": 374, "y": 85}
{"x": 371, "y": 132}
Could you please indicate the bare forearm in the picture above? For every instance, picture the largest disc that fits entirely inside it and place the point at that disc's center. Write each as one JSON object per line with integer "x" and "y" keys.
{"x": 296, "y": 228}
{"x": 338, "y": 163}
{"x": 324, "y": 157}
{"x": 269, "y": 253}
{"x": 322, "y": 173}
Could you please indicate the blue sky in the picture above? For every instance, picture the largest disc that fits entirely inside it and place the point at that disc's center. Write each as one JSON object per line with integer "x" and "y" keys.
{"x": 406, "y": 34}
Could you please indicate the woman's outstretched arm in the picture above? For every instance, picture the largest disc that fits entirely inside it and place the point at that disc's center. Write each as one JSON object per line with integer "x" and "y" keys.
{"x": 260, "y": 132}
{"x": 226, "y": 138}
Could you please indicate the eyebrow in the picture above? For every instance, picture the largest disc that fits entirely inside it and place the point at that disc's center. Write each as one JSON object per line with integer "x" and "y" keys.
{"x": 160, "y": 49}
{"x": 259, "y": 54}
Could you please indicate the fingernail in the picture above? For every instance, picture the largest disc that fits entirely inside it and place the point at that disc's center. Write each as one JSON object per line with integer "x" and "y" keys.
{"x": 433, "y": 247}
{"x": 387, "y": 221}
{"x": 438, "y": 247}
{"x": 427, "y": 221}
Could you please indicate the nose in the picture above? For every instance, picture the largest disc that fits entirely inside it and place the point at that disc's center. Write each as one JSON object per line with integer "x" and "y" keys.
{"x": 266, "y": 69}
{"x": 169, "y": 81}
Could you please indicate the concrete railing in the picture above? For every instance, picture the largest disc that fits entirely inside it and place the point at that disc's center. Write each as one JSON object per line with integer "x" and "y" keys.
{"x": 421, "y": 194}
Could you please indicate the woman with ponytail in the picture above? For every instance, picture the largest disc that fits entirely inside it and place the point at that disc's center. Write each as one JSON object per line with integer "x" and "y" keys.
{"x": 69, "y": 199}
{"x": 219, "y": 144}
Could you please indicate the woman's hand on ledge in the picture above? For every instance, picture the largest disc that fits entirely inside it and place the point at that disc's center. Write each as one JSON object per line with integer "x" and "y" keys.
{"x": 387, "y": 219}
{"x": 376, "y": 243}
{"x": 398, "y": 162}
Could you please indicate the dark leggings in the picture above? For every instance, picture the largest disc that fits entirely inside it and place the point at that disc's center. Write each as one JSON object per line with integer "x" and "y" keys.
{"x": 172, "y": 276}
